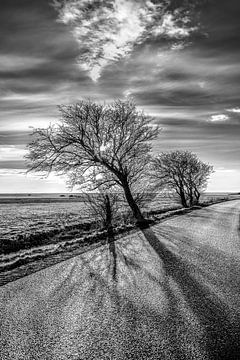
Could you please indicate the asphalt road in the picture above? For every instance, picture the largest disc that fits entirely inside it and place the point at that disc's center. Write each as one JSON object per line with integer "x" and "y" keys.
{"x": 171, "y": 291}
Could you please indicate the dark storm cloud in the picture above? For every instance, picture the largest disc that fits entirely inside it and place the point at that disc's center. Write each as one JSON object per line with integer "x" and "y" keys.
{"x": 29, "y": 28}
{"x": 37, "y": 63}
{"x": 221, "y": 20}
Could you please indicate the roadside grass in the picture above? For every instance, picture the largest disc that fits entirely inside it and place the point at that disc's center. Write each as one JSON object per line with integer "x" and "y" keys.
{"x": 27, "y": 225}
{"x": 28, "y": 248}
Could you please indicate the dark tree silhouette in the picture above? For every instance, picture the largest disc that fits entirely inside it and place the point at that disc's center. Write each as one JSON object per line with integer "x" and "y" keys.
{"x": 113, "y": 140}
{"x": 182, "y": 172}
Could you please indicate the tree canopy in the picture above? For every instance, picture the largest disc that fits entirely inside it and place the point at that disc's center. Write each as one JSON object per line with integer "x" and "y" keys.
{"x": 182, "y": 172}
{"x": 111, "y": 140}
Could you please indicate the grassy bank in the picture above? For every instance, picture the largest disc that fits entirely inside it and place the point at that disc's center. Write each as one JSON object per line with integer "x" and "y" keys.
{"x": 75, "y": 239}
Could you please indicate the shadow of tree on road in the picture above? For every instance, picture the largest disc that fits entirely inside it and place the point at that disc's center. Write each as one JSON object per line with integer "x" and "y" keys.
{"x": 143, "y": 296}
{"x": 222, "y": 328}
{"x": 220, "y": 324}
{"x": 113, "y": 255}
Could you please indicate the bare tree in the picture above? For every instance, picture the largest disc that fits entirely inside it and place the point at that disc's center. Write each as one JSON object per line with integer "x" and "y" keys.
{"x": 182, "y": 172}
{"x": 103, "y": 207}
{"x": 113, "y": 140}
{"x": 144, "y": 190}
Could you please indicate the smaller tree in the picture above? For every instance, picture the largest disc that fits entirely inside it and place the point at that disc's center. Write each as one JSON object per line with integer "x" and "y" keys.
{"x": 103, "y": 207}
{"x": 182, "y": 172}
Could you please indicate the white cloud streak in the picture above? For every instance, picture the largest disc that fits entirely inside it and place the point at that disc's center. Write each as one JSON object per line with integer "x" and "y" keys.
{"x": 107, "y": 31}
{"x": 219, "y": 117}
{"x": 9, "y": 62}
{"x": 170, "y": 28}
{"x": 12, "y": 172}
{"x": 234, "y": 110}
{"x": 11, "y": 152}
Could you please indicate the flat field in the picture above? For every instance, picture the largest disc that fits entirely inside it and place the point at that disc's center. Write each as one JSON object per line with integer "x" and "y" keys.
{"x": 25, "y": 218}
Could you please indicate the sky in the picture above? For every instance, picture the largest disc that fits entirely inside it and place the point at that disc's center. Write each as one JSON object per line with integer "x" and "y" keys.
{"x": 178, "y": 60}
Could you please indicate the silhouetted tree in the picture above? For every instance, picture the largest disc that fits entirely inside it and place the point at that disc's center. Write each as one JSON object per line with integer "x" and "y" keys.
{"x": 182, "y": 172}
{"x": 113, "y": 140}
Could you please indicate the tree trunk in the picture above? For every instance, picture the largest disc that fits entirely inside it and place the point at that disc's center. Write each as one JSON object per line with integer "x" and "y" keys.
{"x": 110, "y": 236}
{"x": 183, "y": 198}
{"x": 197, "y": 196}
{"x": 181, "y": 192}
{"x": 132, "y": 203}
{"x": 108, "y": 210}
{"x": 191, "y": 199}
{"x": 108, "y": 214}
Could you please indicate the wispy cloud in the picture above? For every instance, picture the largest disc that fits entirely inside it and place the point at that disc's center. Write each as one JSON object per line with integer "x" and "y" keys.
{"x": 219, "y": 117}
{"x": 30, "y": 183}
{"x": 107, "y": 31}
{"x": 234, "y": 110}
{"x": 171, "y": 29}
{"x": 12, "y": 172}
{"x": 11, "y": 152}
{"x": 10, "y": 62}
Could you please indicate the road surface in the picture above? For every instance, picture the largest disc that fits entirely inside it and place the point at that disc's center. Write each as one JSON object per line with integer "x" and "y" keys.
{"x": 171, "y": 291}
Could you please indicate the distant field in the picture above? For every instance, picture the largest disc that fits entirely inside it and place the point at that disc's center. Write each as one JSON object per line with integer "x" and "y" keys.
{"x": 38, "y": 195}
{"x": 18, "y": 218}
{"x": 39, "y": 198}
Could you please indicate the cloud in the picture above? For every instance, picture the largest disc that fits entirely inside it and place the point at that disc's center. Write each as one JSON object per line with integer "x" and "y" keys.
{"x": 14, "y": 137}
{"x": 234, "y": 110}
{"x": 11, "y": 152}
{"x": 108, "y": 31}
{"x": 12, "y": 172}
{"x": 13, "y": 62}
{"x": 219, "y": 117}
{"x": 179, "y": 45}
{"x": 29, "y": 183}
{"x": 13, "y": 164}
{"x": 172, "y": 73}
{"x": 170, "y": 28}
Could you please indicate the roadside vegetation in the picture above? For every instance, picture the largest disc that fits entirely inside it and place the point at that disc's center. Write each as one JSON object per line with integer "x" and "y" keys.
{"x": 105, "y": 150}
{"x": 108, "y": 148}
